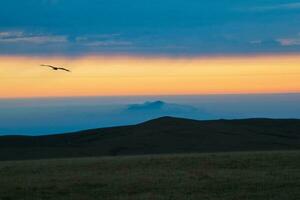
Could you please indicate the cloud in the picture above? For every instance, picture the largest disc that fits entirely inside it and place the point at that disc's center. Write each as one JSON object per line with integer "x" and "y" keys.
{"x": 22, "y": 37}
{"x": 35, "y": 39}
{"x": 94, "y": 37}
{"x": 289, "y": 41}
{"x": 102, "y": 40}
{"x": 8, "y": 34}
{"x": 108, "y": 43}
{"x": 188, "y": 29}
{"x": 276, "y": 43}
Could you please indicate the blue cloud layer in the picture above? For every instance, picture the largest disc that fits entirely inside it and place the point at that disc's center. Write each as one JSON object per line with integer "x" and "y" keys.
{"x": 155, "y": 27}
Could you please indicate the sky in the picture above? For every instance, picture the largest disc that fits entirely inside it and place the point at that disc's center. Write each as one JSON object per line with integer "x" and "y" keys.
{"x": 122, "y": 76}
{"x": 151, "y": 47}
{"x": 149, "y": 27}
{"x": 146, "y": 51}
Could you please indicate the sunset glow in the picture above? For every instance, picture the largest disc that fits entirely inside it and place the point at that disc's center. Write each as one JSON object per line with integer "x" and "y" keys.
{"x": 132, "y": 75}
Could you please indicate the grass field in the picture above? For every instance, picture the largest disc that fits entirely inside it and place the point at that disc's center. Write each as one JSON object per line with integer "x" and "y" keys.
{"x": 258, "y": 175}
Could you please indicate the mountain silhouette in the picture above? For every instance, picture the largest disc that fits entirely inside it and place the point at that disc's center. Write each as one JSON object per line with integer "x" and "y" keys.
{"x": 156, "y": 105}
{"x": 162, "y": 135}
{"x": 160, "y": 106}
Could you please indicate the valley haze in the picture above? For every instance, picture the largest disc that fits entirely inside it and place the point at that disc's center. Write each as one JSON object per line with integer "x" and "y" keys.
{"x": 58, "y": 115}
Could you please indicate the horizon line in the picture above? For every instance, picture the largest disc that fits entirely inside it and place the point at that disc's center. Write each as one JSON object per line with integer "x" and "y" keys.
{"x": 150, "y": 95}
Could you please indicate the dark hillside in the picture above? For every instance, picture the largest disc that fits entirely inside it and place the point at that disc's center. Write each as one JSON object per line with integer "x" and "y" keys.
{"x": 163, "y": 135}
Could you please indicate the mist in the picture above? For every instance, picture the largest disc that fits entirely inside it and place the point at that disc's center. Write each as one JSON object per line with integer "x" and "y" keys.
{"x": 42, "y": 116}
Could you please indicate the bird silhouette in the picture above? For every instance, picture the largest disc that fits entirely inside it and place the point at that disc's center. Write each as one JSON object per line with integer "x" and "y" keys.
{"x": 56, "y": 68}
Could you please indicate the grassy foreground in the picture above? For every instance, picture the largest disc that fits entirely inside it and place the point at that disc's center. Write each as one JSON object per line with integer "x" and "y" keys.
{"x": 260, "y": 175}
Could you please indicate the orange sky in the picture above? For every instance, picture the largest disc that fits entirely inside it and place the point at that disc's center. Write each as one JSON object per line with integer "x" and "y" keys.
{"x": 133, "y": 75}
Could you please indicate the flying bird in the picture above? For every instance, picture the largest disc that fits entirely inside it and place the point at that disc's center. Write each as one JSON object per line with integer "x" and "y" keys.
{"x": 56, "y": 68}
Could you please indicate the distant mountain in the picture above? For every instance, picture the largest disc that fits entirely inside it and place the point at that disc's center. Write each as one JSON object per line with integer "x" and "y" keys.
{"x": 162, "y": 135}
{"x": 161, "y": 106}
{"x": 156, "y": 109}
{"x": 48, "y": 120}
{"x": 48, "y": 116}
{"x": 156, "y": 105}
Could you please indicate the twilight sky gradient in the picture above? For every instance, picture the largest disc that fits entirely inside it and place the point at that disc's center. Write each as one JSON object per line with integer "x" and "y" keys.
{"x": 149, "y": 47}
{"x": 113, "y": 76}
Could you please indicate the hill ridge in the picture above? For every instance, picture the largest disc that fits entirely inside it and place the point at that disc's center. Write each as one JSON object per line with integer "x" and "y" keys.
{"x": 157, "y": 136}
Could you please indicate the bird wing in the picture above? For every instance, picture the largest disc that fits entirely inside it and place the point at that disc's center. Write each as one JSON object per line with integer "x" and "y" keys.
{"x": 61, "y": 68}
{"x": 49, "y": 66}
